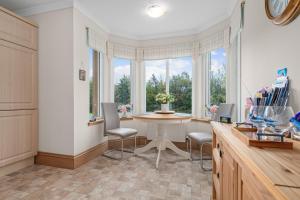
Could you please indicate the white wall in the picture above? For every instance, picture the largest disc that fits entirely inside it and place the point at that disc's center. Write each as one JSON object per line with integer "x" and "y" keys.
{"x": 267, "y": 47}
{"x": 56, "y": 102}
{"x": 85, "y": 136}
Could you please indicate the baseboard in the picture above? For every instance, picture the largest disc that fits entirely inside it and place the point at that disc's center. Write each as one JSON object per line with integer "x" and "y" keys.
{"x": 5, "y": 170}
{"x": 142, "y": 140}
{"x": 73, "y": 162}
{"x": 90, "y": 154}
{"x": 68, "y": 161}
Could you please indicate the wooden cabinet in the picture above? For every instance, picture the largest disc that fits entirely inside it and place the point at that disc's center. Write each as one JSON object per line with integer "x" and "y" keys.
{"x": 18, "y": 91}
{"x": 247, "y": 173}
{"x": 225, "y": 171}
{"x": 229, "y": 176}
{"x": 18, "y": 135}
{"x": 18, "y": 77}
{"x": 17, "y": 30}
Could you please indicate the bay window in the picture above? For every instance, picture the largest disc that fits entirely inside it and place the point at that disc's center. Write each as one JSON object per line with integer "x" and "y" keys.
{"x": 94, "y": 77}
{"x": 122, "y": 81}
{"x": 172, "y": 76}
{"x": 216, "y": 77}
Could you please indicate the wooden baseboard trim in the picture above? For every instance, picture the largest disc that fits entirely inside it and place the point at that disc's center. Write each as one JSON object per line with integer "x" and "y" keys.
{"x": 73, "y": 162}
{"x": 68, "y": 161}
{"x": 90, "y": 154}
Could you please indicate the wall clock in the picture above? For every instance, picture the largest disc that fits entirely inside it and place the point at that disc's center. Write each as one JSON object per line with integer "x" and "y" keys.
{"x": 282, "y": 12}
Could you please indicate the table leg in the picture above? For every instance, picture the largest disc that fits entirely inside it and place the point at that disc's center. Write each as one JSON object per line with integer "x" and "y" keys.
{"x": 158, "y": 155}
{"x": 149, "y": 146}
{"x": 171, "y": 146}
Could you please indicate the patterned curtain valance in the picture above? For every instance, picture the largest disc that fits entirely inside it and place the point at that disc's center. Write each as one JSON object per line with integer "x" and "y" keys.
{"x": 170, "y": 51}
{"x": 122, "y": 51}
{"x": 95, "y": 40}
{"x": 217, "y": 40}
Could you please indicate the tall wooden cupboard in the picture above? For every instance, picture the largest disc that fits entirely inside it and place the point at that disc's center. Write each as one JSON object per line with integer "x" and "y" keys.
{"x": 18, "y": 91}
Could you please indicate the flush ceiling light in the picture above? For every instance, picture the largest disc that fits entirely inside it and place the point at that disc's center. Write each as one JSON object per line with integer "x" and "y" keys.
{"x": 155, "y": 11}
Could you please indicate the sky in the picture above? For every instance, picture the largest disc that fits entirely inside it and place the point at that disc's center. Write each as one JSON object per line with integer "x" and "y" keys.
{"x": 218, "y": 59}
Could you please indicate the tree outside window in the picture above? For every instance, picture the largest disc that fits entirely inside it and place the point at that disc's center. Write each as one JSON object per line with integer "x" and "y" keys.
{"x": 173, "y": 76}
{"x": 122, "y": 81}
{"x": 217, "y": 77}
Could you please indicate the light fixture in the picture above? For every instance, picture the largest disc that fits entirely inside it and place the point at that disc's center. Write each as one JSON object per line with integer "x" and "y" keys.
{"x": 155, "y": 10}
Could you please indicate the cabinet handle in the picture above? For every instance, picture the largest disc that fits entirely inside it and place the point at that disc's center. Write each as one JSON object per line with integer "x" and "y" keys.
{"x": 218, "y": 175}
{"x": 218, "y": 145}
{"x": 221, "y": 153}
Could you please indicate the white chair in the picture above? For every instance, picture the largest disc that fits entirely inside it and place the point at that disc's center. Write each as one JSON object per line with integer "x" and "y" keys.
{"x": 112, "y": 127}
{"x": 204, "y": 138}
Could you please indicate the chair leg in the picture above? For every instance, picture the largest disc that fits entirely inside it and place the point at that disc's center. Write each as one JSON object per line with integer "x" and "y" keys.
{"x": 135, "y": 142}
{"x": 122, "y": 147}
{"x": 201, "y": 158}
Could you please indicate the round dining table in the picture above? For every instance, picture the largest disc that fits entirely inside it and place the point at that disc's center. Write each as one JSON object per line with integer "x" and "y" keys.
{"x": 161, "y": 142}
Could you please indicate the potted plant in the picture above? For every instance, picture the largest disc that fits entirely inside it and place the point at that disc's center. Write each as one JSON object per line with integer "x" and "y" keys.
{"x": 164, "y": 99}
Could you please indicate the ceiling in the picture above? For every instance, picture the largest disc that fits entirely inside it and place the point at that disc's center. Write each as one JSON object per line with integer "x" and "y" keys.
{"x": 128, "y": 18}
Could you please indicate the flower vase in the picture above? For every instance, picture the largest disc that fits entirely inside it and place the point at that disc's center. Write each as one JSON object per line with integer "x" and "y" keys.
{"x": 165, "y": 107}
{"x": 124, "y": 114}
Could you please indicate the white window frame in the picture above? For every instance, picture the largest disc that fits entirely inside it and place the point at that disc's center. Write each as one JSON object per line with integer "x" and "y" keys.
{"x": 132, "y": 81}
{"x": 207, "y": 65}
{"x": 100, "y": 81}
{"x": 167, "y": 64}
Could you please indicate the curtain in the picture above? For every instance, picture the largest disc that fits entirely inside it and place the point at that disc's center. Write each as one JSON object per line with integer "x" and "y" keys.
{"x": 169, "y": 51}
{"x": 95, "y": 40}
{"x": 215, "y": 41}
{"x": 121, "y": 51}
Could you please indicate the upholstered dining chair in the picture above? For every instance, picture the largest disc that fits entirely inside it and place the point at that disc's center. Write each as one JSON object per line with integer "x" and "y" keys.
{"x": 112, "y": 127}
{"x": 204, "y": 138}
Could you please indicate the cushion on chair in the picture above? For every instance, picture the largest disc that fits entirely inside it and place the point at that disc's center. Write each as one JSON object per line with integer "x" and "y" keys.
{"x": 122, "y": 132}
{"x": 201, "y": 137}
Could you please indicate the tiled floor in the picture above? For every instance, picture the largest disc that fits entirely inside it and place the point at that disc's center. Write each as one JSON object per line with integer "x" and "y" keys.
{"x": 105, "y": 179}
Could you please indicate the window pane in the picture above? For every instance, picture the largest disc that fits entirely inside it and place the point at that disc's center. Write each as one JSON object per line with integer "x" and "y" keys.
{"x": 217, "y": 73}
{"x": 180, "y": 84}
{"x": 122, "y": 81}
{"x": 93, "y": 77}
{"x": 155, "y": 82}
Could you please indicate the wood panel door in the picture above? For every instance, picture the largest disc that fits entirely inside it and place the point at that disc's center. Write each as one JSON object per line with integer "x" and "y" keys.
{"x": 250, "y": 188}
{"x": 17, "y": 31}
{"x": 18, "y": 135}
{"x": 18, "y": 77}
{"x": 229, "y": 176}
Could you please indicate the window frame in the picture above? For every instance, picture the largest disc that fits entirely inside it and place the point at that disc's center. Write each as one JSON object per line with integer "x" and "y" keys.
{"x": 132, "y": 82}
{"x": 98, "y": 65}
{"x": 207, "y": 67}
{"x": 167, "y": 80}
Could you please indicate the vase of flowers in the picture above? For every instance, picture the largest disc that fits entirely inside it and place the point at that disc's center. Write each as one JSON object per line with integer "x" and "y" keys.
{"x": 164, "y": 99}
{"x": 124, "y": 109}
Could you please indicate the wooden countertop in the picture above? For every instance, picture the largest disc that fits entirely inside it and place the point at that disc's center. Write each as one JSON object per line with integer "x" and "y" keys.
{"x": 277, "y": 169}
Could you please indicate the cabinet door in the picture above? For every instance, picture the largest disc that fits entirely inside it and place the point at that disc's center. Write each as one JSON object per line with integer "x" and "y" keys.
{"x": 18, "y": 135}
{"x": 18, "y": 77}
{"x": 229, "y": 176}
{"x": 17, "y": 31}
{"x": 250, "y": 188}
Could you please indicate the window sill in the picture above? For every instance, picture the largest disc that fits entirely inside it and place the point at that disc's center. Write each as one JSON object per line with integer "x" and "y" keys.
{"x": 126, "y": 118}
{"x": 98, "y": 121}
{"x": 101, "y": 120}
{"x": 204, "y": 120}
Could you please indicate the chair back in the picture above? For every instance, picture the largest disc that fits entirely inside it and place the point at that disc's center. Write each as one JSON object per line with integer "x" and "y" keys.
{"x": 225, "y": 109}
{"x": 111, "y": 116}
